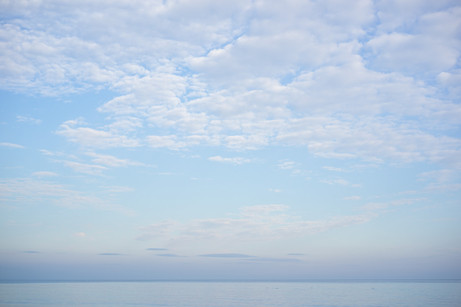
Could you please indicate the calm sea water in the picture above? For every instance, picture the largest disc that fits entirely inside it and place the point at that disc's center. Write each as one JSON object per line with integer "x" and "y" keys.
{"x": 235, "y": 294}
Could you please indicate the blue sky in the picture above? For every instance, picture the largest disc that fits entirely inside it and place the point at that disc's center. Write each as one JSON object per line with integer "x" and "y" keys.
{"x": 230, "y": 139}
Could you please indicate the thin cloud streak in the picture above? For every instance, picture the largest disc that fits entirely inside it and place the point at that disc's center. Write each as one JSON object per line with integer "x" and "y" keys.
{"x": 267, "y": 222}
{"x": 11, "y": 145}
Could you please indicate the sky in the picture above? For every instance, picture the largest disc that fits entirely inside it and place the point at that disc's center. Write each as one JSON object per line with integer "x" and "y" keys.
{"x": 230, "y": 139}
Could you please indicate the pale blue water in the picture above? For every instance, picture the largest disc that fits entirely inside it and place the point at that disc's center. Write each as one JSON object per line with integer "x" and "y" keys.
{"x": 235, "y": 294}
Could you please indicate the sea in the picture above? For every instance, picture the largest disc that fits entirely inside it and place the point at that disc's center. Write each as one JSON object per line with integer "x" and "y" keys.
{"x": 233, "y": 293}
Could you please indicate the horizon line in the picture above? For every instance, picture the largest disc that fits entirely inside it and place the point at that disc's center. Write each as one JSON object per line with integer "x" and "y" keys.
{"x": 287, "y": 280}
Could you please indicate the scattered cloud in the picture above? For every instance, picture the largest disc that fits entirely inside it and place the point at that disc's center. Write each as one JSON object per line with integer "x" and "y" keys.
{"x": 156, "y": 249}
{"x": 80, "y": 234}
{"x": 27, "y": 119}
{"x": 110, "y": 254}
{"x": 30, "y": 252}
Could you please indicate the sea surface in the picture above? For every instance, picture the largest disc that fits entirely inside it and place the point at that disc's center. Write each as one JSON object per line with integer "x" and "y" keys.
{"x": 235, "y": 294}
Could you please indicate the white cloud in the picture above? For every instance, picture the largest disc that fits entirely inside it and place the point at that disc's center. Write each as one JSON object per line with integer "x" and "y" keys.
{"x": 396, "y": 14}
{"x": 442, "y": 179}
{"x": 89, "y": 137}
{"x": 342, "y": 182}
{"x": 168, "y": 141}
{"x": 111, "y": 161}
{"x": 11, "y": 145}
{"x": 28, "y": 119}
{"x": 233, "y": 160}
{"x": 333, "y": 169}
{"x": 117, "y": 189}
{"x": 260, "y": 210}
{"x": 412, "y": 53}
{"x": 287, "y": 165}
{"x": 44, "y": 174}
{"x": 249, "y": 75}
{"x": 91, "y": 169}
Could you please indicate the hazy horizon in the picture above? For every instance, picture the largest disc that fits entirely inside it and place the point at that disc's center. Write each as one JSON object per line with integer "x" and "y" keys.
{"x": 274, "y": 140}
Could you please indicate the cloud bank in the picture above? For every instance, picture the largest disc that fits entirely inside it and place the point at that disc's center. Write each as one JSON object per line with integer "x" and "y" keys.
{"x": 355, "y": 82}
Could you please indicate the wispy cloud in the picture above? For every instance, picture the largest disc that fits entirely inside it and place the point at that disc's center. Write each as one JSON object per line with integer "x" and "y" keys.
{"x": 47, "y": 192}
{"x": 287, "y": 165}
{"x": 44, "y": 174}
{"x": 290, "y": 166}
{"x": 168, "y": 255}
{"x": 27, "y": 119}
{"x": 233, "y": 160}
{"x": 94, "y": 138}
{"x": 245, "y": 257}
{"x": 376, "y": 206}
{"x": 90, "y": 169}
{"x": 333, "y": 169}
{"x": 266, "y": 259}
{"x": 227, "y": 255}
{"x": 441, "y": 176}
{"x": 264, "y": 222}
{"x": 340, "y": 181}
{"x": 111, "y": 161}
{"x": 354, "y": 197}
{"x": 11, "y": 145}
